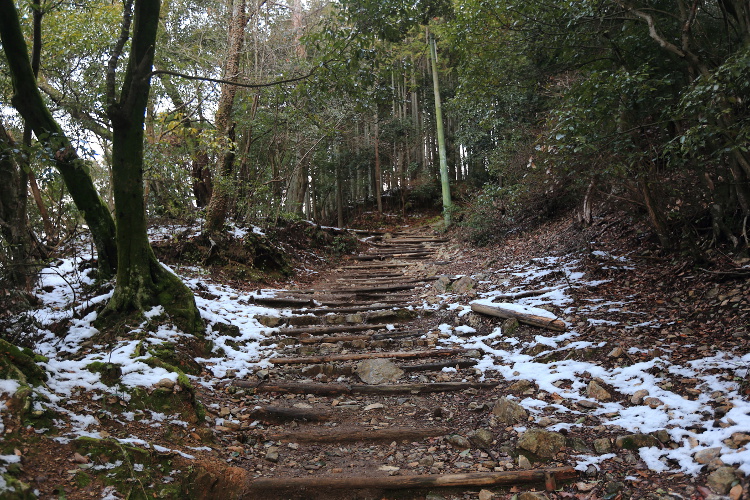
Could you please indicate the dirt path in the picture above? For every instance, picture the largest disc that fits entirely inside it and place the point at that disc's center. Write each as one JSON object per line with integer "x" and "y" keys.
{"x": 362, "y": 403}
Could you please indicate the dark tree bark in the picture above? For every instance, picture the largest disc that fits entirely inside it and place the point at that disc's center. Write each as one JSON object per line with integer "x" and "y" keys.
{"x": 13, "y": 212}
{"x": 29, "y": 103}
{"x": 142, "y": 281}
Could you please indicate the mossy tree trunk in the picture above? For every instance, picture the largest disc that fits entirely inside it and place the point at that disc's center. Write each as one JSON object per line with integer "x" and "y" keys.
{"x": 28, "y": 101}
{"x": 142, "y": 282}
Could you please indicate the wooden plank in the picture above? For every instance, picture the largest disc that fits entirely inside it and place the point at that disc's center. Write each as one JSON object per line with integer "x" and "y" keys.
{"x": 322, "y": 330}
{"x": 348, "y": 434}
{"x": 282, "y": 301}
{"x": 386, "y": 390}
{"x": 463, "y": 363}
{"x": 471, "y": 479}
{"x": 333, "y": 339}
{"x": 337, "y": 389}
{"x": 530, "y": 319}
{"x": 280, "y": 414}
{"x": 352, "y": 309}
{"x": 372, "y": 355}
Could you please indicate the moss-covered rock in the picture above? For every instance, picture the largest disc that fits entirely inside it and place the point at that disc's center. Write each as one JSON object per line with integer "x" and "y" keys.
{"x": 21, "y": 364}
{"x": 13, "y": 489}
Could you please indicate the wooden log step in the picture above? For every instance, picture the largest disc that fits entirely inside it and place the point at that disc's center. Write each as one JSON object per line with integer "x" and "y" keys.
{"x": 401, "y": 254}
{"x": 318, "y": 389}
{"x": 322, "y": 330}
{"x": 372, "y": 355}
{"x": 282, "y": 301}
{"x": 389, "y": 390}
{"x": 400, "y": 300}
{"x": 280, "y": 414}
{"x": 337, "y": 310}
{"x": 375, "y": 266}
{"x": 546, "y": 476}
{"x": 348, "y": 434}
{"x": 427, "y": 367}
{"x": 509, "y": 311}
{"x": 332, "y": 339}
{"x": 338, "y": 389}
{"x": 395, "y": 336}
{"x": 369, "y": 289}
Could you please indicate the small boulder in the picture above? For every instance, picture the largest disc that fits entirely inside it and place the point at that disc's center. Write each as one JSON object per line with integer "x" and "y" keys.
{"x": 596, "y": 391}
{"x": 509, "y": 326}
{"x": 441, "y": 284}
{"x": 481, "y": 438}
{"x": 720, "y": 481}
{"x": 638, "y": 396}
{"x": 462, "y": 285}
{"x": 459, "y": 442}
{"x": 542, "y": 443}
{"x": 509, "y": 412}
{"x": 707, "y": 455}
{"x": 636, "y": 441}
{"x": 378, "y": 371}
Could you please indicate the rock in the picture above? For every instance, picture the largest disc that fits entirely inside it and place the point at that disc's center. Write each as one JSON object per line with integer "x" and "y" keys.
{"x": 523, "y": 462}
{"x": 374, "y": 406}
{"x": 522, "y": 386}
{"x": 509, "y": 326}
{"x": 272, "y": 454}
{"x": 486, "y": 495}
{"x": 532, "y": 495}
{"x": 740, "y": 439}
{"x": 166, "y": 383}
{"x": 585, "y": 403}
{"x": 378, "y": 371}
{"x": 720, "y": 481}
{"x": 547, "y": 421}
{"x": 638, "y": 396}
{"x": 459, "y": 442}
{"x": 481, "y": 438}
{"x": 509, "y": 412}
{"x": 617, "y": 352}
{"x": 602, "y": 445}
{"x": 462, "y": 285}
{"x": 578, "y": 445}
{"x": 736, "y": 492}
{"x": 596, "y": 391}
{"x": 427, "y": 461}
{"x": 653, "y": 402}
{"x": 636, "y": 441}
{"x": 544, "y": 444}
{"x": 662, "y": 435}
{"x": 441, "y": 284}
{"x": 269, "y": 321}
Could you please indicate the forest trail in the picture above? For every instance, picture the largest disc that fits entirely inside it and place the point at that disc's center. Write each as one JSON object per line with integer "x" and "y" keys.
{"x": 361, "y": 402}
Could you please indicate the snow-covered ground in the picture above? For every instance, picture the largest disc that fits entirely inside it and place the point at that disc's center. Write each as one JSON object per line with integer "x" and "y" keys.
{"x": 62, "y": 291}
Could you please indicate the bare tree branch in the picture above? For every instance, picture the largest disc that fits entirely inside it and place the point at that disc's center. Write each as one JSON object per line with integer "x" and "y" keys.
{"x": 237, "y": 84}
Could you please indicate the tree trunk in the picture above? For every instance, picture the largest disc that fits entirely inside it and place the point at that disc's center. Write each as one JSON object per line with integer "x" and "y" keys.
{"x": 142, "y": 282}
{"x": 216, "y": 213}
{"x": 444, "y": 179}
{"x": 378, "y": 175}
{"x": 29, "y": 103}
{"x": 13, "y": 213}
